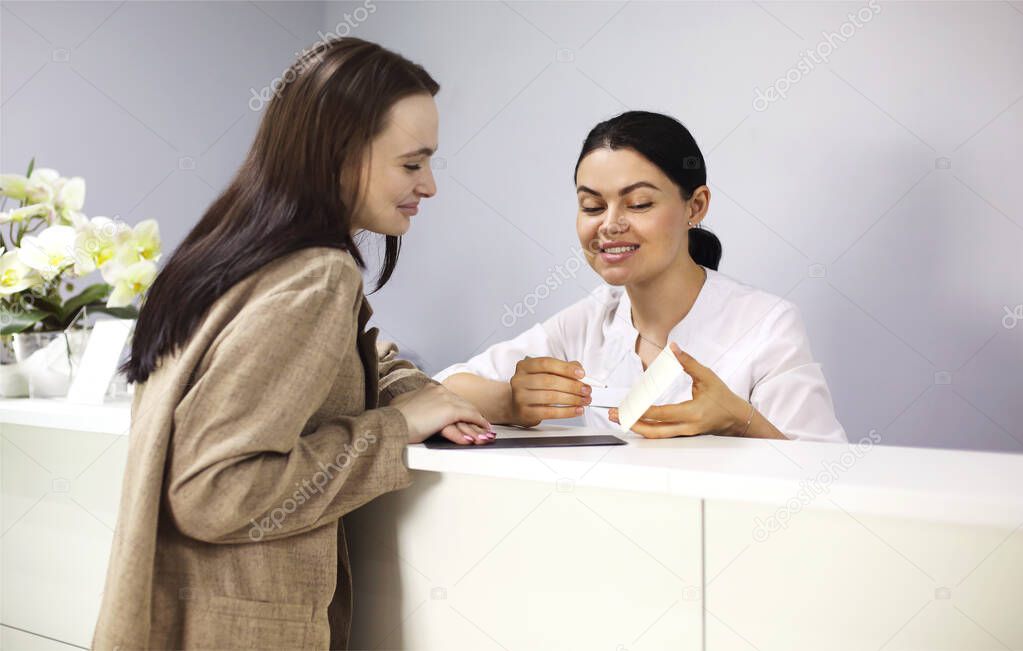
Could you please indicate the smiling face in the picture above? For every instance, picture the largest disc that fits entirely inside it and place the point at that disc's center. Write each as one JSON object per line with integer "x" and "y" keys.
{"x": 396, "y": 174}
{"x": 632, "y": 220}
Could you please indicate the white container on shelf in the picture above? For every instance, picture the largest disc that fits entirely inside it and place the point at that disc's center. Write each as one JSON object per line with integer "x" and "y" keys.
{"x": 49, "y": 359}
{"x": 13, "y": 383}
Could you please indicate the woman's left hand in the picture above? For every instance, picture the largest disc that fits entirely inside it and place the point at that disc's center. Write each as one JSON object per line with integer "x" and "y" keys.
{"x": 714, "y": 408}
{"x": 460, "y": 432}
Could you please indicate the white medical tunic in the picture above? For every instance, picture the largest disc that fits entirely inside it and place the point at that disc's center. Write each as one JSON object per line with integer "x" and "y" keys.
{"x": 754, "y": 341}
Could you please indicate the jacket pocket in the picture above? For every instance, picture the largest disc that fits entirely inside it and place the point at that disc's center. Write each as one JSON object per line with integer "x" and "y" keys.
{"x": 219, "y": 622}
{"x": 261, "y": 609}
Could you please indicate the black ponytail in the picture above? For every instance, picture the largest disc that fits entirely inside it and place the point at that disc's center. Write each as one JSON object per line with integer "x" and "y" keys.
{"x": 704, "y": 248}
{"x": 666, "y": 143}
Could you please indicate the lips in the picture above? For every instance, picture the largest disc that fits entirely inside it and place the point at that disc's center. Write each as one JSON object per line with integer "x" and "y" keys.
{"x": 409, "y": 209}
{"x": 615, "y": 252}
{"x": 618, "y": 247}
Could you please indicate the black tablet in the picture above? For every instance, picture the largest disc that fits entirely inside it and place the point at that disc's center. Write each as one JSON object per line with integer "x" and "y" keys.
{"x": 439, "y": 442}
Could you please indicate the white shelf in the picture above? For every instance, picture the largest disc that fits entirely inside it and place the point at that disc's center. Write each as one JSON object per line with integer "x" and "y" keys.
{"x": 56, "y": 413}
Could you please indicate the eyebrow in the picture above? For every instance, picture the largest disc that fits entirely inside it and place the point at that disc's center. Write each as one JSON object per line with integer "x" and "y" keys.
{"x": 423, "y": 151}
{"x": 621, "y": 193}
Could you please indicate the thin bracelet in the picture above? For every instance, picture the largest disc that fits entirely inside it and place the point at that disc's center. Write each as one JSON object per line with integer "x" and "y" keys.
{"x": 748, "y": 420}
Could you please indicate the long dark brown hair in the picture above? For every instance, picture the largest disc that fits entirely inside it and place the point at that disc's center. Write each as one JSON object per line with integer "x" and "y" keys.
{"x": 296, "y": 188}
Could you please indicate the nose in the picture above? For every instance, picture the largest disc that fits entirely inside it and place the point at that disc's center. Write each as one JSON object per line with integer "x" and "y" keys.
{"x": 427, "y": 187}
{"x": 615, "y": 223}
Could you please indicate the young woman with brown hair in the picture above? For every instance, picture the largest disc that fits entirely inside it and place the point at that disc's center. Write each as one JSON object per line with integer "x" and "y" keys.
{"x": 264, "y": 411}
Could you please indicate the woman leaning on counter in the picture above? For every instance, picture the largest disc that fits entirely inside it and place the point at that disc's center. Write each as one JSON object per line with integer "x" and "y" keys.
{"x": 263, "y": 410}
{"x": 641, "y": 187}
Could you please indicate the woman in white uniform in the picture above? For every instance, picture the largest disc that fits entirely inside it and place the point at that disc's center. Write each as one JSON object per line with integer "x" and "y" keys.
{"x": 749, "y": 371}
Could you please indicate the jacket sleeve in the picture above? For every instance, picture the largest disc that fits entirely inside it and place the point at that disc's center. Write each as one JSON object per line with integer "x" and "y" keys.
{"x": 244, "y": 463}
{"x": 397, "y": 376}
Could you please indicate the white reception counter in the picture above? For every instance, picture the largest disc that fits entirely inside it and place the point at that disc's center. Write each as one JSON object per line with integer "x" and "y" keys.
{"x": 699, "y": 543}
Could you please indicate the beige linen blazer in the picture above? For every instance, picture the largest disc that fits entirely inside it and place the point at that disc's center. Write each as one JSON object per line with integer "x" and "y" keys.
{"x": 247, "y": 446}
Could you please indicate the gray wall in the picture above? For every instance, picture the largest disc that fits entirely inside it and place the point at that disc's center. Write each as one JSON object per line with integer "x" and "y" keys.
{"x": 881, "y": 194}
{"x": 146, "y": 100}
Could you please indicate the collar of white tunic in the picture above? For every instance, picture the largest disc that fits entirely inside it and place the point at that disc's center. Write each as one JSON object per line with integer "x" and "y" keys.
{"x": 722, "y": 329}
{"x": 620, "y": 334}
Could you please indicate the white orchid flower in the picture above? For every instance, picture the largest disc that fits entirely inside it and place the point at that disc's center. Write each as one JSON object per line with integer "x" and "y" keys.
{"x": 145, "y": 238}
{"x": 15, "y": 275}
{"x": 25, "y": 213}
{"x": 139, "y": 243}
{"x": 97, "y": 242}
{"x": 42, "y": 185}
{"x": 80, "y": 221}
{"x": 14, "y": 186}
{"x": 70, "y": 198}
{"x": 50, "y": 252}
{"x": 128, "y": 281}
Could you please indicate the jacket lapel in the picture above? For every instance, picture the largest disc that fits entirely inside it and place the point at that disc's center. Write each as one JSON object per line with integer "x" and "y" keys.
{"x": 367, "y": 343}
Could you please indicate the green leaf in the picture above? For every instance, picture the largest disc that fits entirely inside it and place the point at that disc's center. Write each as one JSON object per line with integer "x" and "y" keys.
{"x": 48, "y": 304}
{"x": 127, "y": 312}
{"x": 31, "y": 166}
{"x": 19, "y": 321}
{"x": 91, "y": 294}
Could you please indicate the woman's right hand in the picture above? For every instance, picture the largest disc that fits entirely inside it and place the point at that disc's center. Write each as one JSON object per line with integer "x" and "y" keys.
{"x": 434, "y": 408}
{"x": 545, "y": 388}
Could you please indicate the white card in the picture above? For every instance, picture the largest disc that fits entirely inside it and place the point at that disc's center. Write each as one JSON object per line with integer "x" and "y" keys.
{"x": 607, "y": 397}
{"x": 657, "y": 378}
{"x": 99, "y": 362}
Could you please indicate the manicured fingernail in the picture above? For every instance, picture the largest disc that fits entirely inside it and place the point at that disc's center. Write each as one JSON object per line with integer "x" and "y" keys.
{"x": 578, "y": 410}
{"x": 579, "y": 372}
{"x": 468, "y": 438}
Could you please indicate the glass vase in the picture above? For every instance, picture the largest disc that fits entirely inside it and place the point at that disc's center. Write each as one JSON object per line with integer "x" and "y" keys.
{"x": 50, "y": 359}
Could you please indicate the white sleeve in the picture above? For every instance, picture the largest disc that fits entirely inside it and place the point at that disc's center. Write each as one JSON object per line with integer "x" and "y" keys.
{"x": 789, "y": 387}
{"x": 498, "y": 361}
